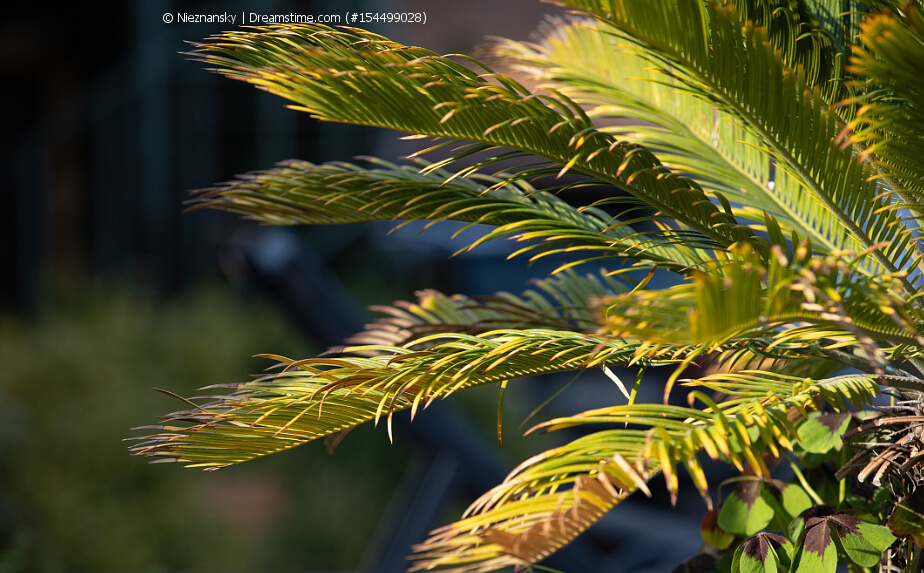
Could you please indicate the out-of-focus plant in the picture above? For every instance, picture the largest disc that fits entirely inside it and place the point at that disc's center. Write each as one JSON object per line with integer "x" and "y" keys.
{"x": 73, "y": 377}
{"x": 776, "y": 168}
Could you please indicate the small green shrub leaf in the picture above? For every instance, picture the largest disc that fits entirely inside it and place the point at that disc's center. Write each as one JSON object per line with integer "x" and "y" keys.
{"x": 795, "y": 500}
{"x": 863, "y": 503}
{"x": 790, "y": 498}
{"x": 826, "y": 531}
{"x": 821, "y": 433}
{"x": 818, "y": 553}
{"x": 745, "y": 512}
{"x": 763, "y": 553}
{"x": 863, "y": 542}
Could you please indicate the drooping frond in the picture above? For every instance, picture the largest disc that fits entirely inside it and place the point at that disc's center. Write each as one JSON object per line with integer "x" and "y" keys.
{"x": 550, "y": 498}
{"x": 542, "y": 505}
{"x": 359, "y": 77}
{"x": 316, "y": 397}
{"x": 560, "y": 302}
{"x": 753, "y": 418}
{"x": 733, "y": 63}
{"x": 300, "y": 192}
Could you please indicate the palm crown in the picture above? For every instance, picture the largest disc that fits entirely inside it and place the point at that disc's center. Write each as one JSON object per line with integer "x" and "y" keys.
{"x": 776, "y": 168}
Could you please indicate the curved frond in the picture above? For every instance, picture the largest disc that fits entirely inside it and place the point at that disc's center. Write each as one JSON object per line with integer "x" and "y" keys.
{"x": 587, "y": 61}
{"x": 300, "y": 192}
{"x": 753, "y": 418}
{"x": 803, "y": 43}
{"x": 734, "y": 63}
{"x": 542, "y": 505}
{"x": 316, "y": 397}
{"x": 550, "y": 498}
{"x": 812, "y": 305}
{"x": 838, "y": 21}
{"x": 359, "y": 77}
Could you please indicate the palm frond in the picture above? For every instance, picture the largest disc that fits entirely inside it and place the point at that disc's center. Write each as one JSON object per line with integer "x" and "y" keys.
{"x": 300, "y": 192}
{"x": 542, "y": 505}
{"x": 891, "y": 121}
{"x": 733, "y": 63}
{"x": 588, "y": 62}
{"x": 358, "y": 77}
{"x": 316, "y": 397}
{"x": 790, "y": 306}
{"x": 550, "y": 498}
{"x": 838, "y": 20}
{"x": 752, "y": 419}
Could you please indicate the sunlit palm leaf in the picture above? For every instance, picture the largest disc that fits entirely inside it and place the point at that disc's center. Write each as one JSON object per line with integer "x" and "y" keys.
{"x": 542, "y": 505}
{"x": 817, "y": 304}
{"x": 316, "y": 397}
{"x": 754, "y": 399}
{"x": 734, "y": 64}
{"x": 300, "y": 192}
{"x": 552, "y": 497}
{"x": 588, "y": 62}
{"x": 891, "y": 122}
{"x": 359, "y": 77}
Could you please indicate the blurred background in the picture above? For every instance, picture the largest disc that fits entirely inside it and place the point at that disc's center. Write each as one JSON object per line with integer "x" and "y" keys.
{"x": 109, "y": 291}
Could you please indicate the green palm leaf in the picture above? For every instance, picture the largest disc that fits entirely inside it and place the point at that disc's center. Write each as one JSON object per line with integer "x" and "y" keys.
{"x": 891, "y": 123}
{"x": 359, "y": 77}
{"x": 755, "y": 400}
{"x": 813, "y": 44}
{"x": 734, "y": 64}
{"x": 316, "y": 397}
{"x": 784, "y": 310}
{"x": 588, "y": 62}
{"x": 542, "y": 505}
{"x": 840, "y": 21}
{"x": 302, "y": 193}
{"x": 554, "y": 496}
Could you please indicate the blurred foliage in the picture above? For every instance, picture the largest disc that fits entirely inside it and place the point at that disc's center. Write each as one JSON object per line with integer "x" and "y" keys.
{"x": 72, "y": 499}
